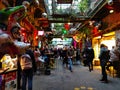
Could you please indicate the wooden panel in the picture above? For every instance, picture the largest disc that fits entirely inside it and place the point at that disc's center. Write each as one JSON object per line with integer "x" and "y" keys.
{"x": 1, "y": 5}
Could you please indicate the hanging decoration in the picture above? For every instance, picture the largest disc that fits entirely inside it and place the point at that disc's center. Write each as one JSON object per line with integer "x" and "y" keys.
{"x": 10, "y": 17}
{"x": 64, "y": 31}
{"x": 43, "y": 22}
{"x": 74, "y": 43}
{"x": 66, "y": 26}
{"x": 78, "y": 37}
{"x": 95, "y": 30}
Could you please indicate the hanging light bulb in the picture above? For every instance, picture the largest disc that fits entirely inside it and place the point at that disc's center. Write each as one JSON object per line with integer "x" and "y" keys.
{"x": 26, "y": 4}
{"x": 111, "y": 11}
{"x": 37, "y": 2}
{"x": 44, "y": 15}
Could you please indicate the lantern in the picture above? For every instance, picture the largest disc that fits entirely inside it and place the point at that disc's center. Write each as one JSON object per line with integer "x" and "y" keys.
{"x": 66, "y": 26}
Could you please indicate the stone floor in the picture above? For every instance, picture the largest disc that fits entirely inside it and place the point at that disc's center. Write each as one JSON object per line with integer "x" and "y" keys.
{"x": 80, "y": 79}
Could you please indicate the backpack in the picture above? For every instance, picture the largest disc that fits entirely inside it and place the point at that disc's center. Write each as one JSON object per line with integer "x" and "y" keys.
{"x": 25, "y": 62}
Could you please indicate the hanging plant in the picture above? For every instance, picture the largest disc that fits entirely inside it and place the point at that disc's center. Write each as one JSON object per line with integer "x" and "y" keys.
{"x": 83, "y": 6}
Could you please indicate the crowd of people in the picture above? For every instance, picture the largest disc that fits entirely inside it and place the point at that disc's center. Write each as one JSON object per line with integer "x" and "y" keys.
{"x": 68, "y": 56}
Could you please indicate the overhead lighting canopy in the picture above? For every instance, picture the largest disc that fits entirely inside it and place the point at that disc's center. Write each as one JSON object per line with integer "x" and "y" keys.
{"x": 72, "y": 8}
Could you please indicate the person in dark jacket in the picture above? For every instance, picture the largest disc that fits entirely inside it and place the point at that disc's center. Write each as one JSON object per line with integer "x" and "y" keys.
{"x": 27, "y": 75}
{"x": 103, "y": 62}
{"x": 84, "y": 56}
{"x": 70, "y": 53}
{"x": 64, "y": 56}
{"x": 90, "y": 57}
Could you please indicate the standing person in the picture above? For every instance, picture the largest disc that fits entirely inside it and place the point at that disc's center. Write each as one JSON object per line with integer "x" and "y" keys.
{"x": 84, "y": 56}
{"x": 28, "y": 62}
{"x": 90, "y": 57}
{"x": 103, "y": 61}
{"x": 114, "y": 60}
{"x": 37, "y": 55}
{"x": 78, "y": 58}
{"x": 64, "y": 56}
{"x": 113, "y": 57}
{"x": 60, "y": 53}
{"x": 70, "y": 54}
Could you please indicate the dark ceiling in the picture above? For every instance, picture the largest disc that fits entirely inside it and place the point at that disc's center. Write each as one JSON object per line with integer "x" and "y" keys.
{"x": 105, "y": 10}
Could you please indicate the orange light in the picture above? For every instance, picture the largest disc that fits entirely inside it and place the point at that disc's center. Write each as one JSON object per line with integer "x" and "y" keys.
{"x": 36, "y": 37}
{"x": 23, "y": 34}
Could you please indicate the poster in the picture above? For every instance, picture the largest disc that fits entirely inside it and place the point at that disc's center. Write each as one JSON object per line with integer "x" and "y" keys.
{"x": 10, "y": 81}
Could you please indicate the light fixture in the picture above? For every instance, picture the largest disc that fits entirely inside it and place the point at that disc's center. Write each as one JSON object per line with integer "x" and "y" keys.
{"x": 110, "y": 2}
{"x": 44, "y": 15}
{"x": 40, "y": 33}
{"x": 111, "y": 11}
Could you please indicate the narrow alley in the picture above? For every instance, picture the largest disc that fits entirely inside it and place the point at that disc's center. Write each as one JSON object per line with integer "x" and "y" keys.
{"x": 80, "y": 79}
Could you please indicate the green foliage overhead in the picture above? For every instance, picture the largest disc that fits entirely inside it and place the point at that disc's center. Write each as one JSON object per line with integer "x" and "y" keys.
{"x": 83, "y": 5}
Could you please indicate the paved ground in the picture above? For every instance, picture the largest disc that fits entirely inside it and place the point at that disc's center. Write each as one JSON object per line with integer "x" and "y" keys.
{"x": 79, "y": 79}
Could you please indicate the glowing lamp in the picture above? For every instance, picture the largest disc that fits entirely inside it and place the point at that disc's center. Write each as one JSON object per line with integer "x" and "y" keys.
{"x": 40, "y": 33}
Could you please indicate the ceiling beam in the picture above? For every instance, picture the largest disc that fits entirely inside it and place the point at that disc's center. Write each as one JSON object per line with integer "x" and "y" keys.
{"x": 67, "y": 21}
{"x": 64, "y": 1}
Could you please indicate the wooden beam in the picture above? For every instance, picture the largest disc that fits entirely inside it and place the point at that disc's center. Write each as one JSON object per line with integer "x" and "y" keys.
{"x": 66, "y": 21}
{"x": 64, "y": 1}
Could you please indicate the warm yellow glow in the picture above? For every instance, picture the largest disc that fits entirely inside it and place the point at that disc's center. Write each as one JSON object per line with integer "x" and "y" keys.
{"x": 76, "y": 88}
{"x": 107, "y": 39}
{"x": 97, "y": 37}
{"x": 96, "y": 50}
{"x": 109, "y": 34}
{"x": 36, "y": 37}
{"x": 8, "y": 62}
{"x": 111, "y": 11}
{"x": 109, "y": 43}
